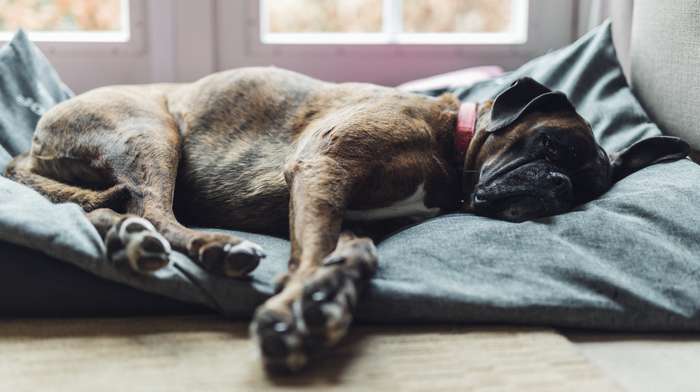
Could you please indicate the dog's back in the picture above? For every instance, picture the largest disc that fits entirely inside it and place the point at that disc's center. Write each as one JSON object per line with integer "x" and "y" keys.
{"x": 232, "y": 131}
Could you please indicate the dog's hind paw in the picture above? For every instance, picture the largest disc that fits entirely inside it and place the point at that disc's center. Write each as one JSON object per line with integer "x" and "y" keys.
{"x": 314, "y": 315}
{"x": 135, "y": 242}
{"x": 229, "y": 259}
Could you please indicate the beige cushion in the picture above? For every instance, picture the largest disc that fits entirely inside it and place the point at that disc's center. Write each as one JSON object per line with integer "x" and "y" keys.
{"x": 665, "y": 64}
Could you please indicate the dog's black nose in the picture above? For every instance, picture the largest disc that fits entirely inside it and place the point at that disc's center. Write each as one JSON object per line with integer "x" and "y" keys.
{"x": 558, "y": 184}
{"x": 479, "y": 198}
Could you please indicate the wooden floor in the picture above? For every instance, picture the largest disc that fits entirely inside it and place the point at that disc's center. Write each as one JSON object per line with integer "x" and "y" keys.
{"x": 208, "y": 354}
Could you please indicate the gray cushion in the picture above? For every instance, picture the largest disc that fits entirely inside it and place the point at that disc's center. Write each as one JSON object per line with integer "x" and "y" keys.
{"x": 33, "y": 283}
{"x": 30, "y": 86}
{"x": 628, "y": 260}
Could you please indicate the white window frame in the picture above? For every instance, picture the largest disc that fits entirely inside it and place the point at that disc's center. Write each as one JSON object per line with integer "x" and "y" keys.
{"x": 392, "y": 31}
{"x": 132, "y": 41}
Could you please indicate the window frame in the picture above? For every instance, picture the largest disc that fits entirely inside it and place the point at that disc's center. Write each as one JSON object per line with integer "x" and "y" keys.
{"x": 131, "y": 42}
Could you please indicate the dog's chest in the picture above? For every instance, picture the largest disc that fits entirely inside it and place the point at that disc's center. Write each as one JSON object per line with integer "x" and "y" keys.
{"x": 412, "y": 206}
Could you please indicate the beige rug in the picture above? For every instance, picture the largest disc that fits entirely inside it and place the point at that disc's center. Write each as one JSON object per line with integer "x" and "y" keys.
{"x": 208, "y": 354}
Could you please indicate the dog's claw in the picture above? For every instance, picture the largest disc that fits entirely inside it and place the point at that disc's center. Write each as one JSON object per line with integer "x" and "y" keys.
{"x": 278, "y": 340}
{"x": 135, "y": 242}
{"x": 233, "y": 260}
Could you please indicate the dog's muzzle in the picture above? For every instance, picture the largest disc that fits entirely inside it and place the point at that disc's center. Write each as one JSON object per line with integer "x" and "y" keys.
{"x": 529, "y": 191}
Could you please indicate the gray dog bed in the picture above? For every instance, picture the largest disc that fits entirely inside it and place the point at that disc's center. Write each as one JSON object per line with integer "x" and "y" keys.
{"x": 629, "y": 260}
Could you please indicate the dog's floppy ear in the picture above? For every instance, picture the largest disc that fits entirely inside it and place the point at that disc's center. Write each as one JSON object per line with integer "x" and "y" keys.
{"x": 645, "y": 153}
{"x": 525, "y": 95}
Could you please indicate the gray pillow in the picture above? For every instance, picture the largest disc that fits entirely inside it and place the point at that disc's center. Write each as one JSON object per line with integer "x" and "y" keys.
{"x": 628, "y": 260}
{"x": 30, "y": 86}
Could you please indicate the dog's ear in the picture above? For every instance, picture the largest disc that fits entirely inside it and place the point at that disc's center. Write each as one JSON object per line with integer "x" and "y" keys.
{"x": 525, "y": 95}
{"x": 645, "y": 153}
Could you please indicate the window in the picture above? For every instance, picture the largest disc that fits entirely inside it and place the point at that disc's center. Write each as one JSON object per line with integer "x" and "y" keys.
{"x": 388, "y": 41}
{"x": 90, "y": 42}
{"x": 67, "y": 20}
{"x": 393, "y": 21}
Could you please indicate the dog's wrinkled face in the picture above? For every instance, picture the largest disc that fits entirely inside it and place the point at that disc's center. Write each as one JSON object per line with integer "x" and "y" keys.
{"x": 534, "y": 156}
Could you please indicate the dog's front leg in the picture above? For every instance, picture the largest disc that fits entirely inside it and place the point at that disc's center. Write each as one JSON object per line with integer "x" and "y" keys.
{"x": 327, "y": 269}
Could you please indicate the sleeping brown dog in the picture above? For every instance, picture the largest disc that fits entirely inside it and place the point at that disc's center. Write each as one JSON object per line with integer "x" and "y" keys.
{"x": 268, "y": 150}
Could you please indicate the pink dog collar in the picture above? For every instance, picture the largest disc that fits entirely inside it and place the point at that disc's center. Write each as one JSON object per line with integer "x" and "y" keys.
{"x": 466, "y": 126}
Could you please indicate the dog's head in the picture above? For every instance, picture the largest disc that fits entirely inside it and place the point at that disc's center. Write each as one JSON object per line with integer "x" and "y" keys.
{"x": 534, "y": 156}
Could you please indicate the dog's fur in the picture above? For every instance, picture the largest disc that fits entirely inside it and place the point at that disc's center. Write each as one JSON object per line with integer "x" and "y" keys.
{"x": 269, "y": 150}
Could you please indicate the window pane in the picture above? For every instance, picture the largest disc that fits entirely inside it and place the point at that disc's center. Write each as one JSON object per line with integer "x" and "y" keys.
{"x": 324, "y": 16}
{"x": 457, "y": 16}
{"x": 61, "y": 15}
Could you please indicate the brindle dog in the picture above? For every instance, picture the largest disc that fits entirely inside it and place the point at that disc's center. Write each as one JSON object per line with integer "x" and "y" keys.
{"x": 268, "y": 150}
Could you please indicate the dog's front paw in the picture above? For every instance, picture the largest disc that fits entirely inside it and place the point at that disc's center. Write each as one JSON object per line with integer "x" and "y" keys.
{"x": 309, "y": 316}
{"x": 135, "y": 242}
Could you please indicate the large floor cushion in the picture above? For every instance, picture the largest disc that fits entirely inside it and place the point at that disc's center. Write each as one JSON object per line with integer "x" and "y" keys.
{"x": 627, "y": 261}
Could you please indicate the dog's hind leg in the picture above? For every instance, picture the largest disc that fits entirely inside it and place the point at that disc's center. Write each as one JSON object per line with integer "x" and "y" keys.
{"x": 218, "y": 253}
{"x": 143, "y": 188}
{"x": 129, "y": 240}
{"x": 327, "y": 270}
{"x": 151, "y": 178}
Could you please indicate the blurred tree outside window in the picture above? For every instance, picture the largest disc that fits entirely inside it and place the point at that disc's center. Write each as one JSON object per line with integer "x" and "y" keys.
{"x": 452, "y": 16}
{"x": 62, "y": 15}
{"x": 397, "y": 17}
{"x": 324, "y": 16}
